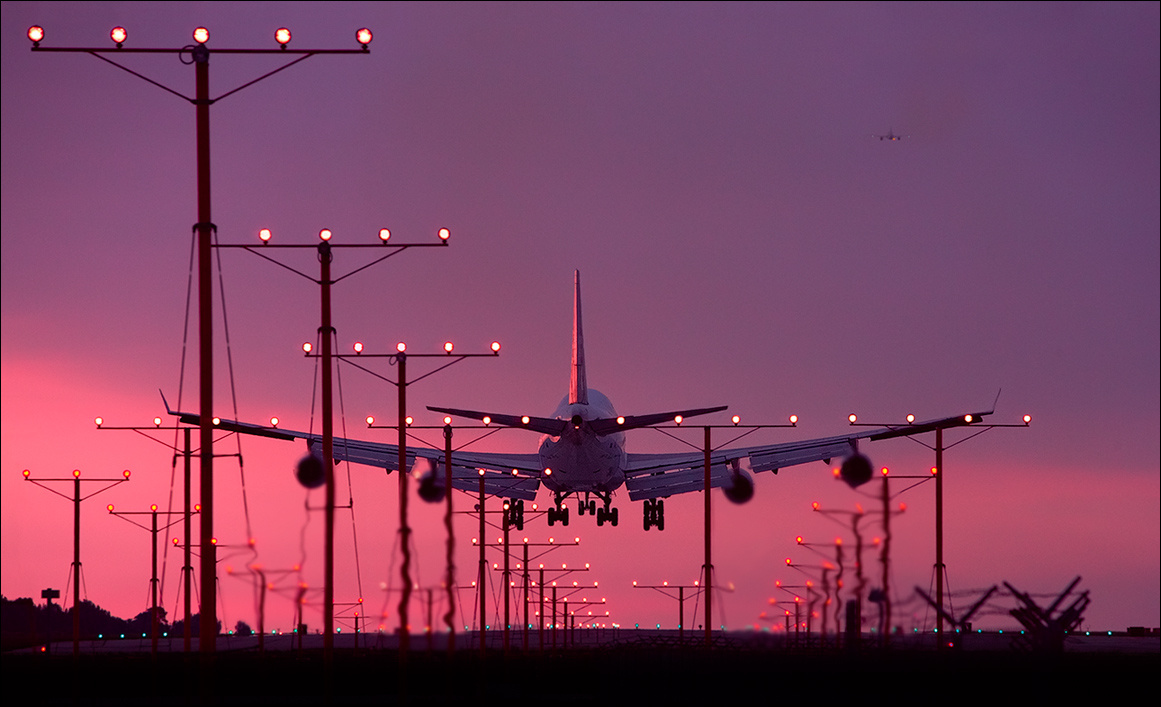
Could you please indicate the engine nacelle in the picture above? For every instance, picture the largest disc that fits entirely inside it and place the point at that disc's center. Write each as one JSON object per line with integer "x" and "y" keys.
{"x": 310, "y": 472}
{"x": 431, "y": 486}
{"x": 739, "y": 488}
{"x": 856, "y": 470}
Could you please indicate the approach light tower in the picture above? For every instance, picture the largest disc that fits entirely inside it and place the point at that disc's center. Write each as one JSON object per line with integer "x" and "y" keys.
{"x": 198, "y": 54}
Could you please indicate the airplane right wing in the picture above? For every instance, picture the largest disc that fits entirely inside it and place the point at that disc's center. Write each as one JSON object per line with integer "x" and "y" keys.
{"x": 649, "y": 476}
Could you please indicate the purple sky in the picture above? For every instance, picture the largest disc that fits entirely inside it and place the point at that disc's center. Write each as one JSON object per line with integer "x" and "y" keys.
{"x": 742, "y": 239}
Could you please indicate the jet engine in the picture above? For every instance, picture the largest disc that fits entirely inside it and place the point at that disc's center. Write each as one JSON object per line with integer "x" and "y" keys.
{"x": 310, "y": 472}
{"x": 739, "y": 487}
{"x": 856, "y": 470}
{"x": 431, "y": 486}
{"x": 431, "y": 480}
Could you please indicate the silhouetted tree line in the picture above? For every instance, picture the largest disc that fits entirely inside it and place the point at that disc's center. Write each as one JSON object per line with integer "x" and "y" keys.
{"x": 24, "y": 623}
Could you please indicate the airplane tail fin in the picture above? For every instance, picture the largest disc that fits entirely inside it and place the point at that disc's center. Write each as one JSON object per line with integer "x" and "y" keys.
{"x": 578, "y": 391}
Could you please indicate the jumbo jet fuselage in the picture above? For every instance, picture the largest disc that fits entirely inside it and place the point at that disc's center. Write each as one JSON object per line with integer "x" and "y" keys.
{"x": 579, "y": 460}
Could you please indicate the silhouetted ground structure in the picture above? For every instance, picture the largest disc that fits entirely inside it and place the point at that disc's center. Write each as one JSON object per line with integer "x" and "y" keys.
{"x": 641, "y": 672}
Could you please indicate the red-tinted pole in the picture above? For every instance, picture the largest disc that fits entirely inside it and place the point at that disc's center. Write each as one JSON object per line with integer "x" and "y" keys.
{"x": 939, "y": 571}
{"x": 326, "y": 333}
{"x": 483, "y": 571}
{"x": 76, "y": 564}
{"x": 507, "y": 579}
{"x": 709, "y": 567}
{"x": 404, "y": 529}
{"x": 153, "y": 581}
{"x": 209, "y": 559}
{"x": 449, "y": 618}
{"x": 187, "y": 568}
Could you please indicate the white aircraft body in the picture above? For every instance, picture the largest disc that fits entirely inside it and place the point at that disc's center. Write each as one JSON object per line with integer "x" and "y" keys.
{"x": 582, "y": 454}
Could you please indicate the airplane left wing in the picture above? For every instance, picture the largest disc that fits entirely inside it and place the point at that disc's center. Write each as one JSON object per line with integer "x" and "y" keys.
{"x": 507, "y": 475}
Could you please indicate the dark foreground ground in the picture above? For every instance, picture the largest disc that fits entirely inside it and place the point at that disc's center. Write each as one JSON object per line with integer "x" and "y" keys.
{"x": 646, "y": 672}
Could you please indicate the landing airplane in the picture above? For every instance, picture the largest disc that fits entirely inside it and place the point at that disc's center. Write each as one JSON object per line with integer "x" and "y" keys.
{"x": 582, "y": 454}
{"x": 890, "y": 136}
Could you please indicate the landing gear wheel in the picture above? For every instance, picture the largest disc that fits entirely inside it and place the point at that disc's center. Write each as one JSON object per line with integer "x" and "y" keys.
{"x": 563, "y": 515}
{"x": 551, "y": 517}
{"x": 612, "y": 515}
{"x": 592, "y": 507}
{"x": 660, "y": 522}
{"x": 600, "y": 517}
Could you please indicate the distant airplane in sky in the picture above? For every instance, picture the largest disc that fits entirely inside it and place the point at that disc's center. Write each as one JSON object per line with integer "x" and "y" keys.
{"x": 890, "y": 136}
{"x": 582, "y": 454}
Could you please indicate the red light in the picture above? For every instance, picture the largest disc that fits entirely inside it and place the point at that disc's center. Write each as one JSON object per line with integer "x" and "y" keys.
{"x": 794, "y": 419}
{"x": 197, "y": 508}
{"x": 401, "y": 347}
{"x": 118, "y": 35}
{"x": 496, "y": 349}
{"x": 157, "y": 422}
{"x": 265, "y": 235}
{"x": 444, "y": 234}
{"x": 363, "y": 36}
{"x": 525, "y": 420}
{"x": 201, "y": 35}
{"x": 787, "y": 561}
{"x": 77, "y": 473}
{"x": 884, "y": 471}
{"x": 307, "y": 347}
{"x": 26, "y": 473}
{"x": 384, "y": 234}
{"x": 677, "y": 419}
{"x": 852, "y": 417}
{"x": 282, "y": 36}
{"x": 36, "y": 34}
{"x": 109, "y": 507}
{"x": 99, "y": 421}
{"x": 798, "y": 539}
{"x": 447, "y": 420}
{"x": 448, "y": 346}
{"x": 325, "y": 234}
{"x": 274, "y": 422}
{"x": 153, "y": 507}
{"x": 934, "y": 471}
{"x": 358, "y": 347}
{"x": 370, "y": 420}
{"x": 736, "y": 419}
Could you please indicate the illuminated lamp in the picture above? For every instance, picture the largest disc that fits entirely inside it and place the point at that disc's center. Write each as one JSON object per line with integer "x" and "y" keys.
{"x": 487, "y": 420}
{"x": 282, "y": 36}
{"x": 325, "y": 234}
{"x": 370, "y": 420}
{"x": 265, "y": 235}
{"x": 525, "y": 420}
{"x": 736, "y": 419}
{"x": 363, "y": 37}
{"x": 1027, "y": 419}
{"x": 36, "y": 34}
{"x": 448, "y": 346}
{"x": 408, "y": 420}
{"x": 496, "y": 349}
{"x": 794, "y": 419}
{"x": 401, "y": 347}
{"x": 118, "y": 35}
{"x": 77, "y": 473}
{"x": 99, "y": 421}
{"x": 444, "y": 234}
{"x": 109, "y": 507}
{"x": 678, "y": 419}
{"x": 201, "y": 35}
{"x": 157, "y": 422}
{"x": 358, "y": 347}
{"x": 274, "y": 422}
{"x": 125, "y": 473}
{"x": 910, "y": 419}
{"x": 853, "y": 418}
{"x": 384, "y": 234}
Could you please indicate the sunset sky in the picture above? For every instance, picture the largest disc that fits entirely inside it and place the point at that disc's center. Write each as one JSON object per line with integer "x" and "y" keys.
{"x": 743, "y": 240}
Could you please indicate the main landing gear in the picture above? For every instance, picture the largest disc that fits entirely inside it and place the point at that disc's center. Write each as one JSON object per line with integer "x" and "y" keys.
{"x": 605, "y": 514}
{"x": 655, "y": 514}
{"x": 560, "y": 513}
